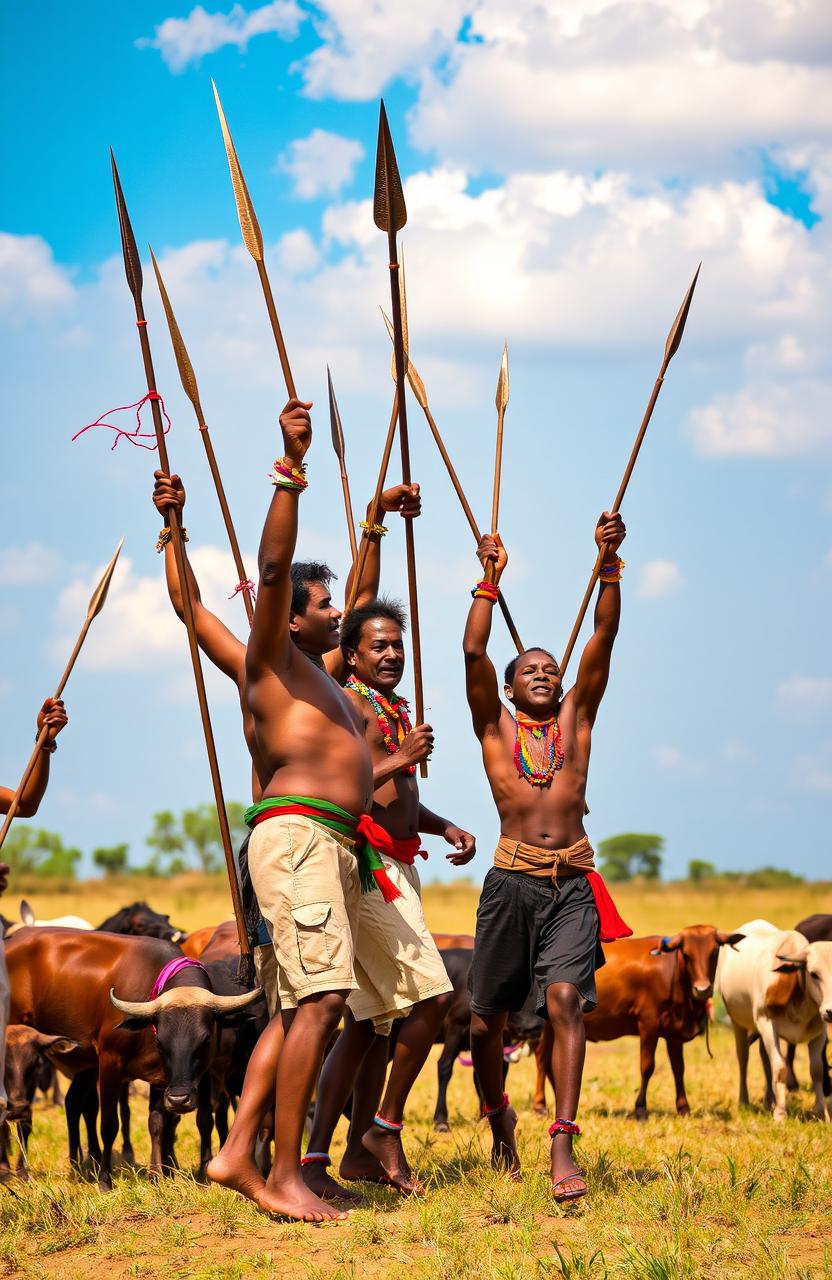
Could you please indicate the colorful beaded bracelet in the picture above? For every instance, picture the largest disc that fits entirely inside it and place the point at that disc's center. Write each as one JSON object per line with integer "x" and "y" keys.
{"x": 370, "y": 529}
{"x": 287, "y": 476}
{"x": 486, "y": 591}
{"x": 165, "y": 537}
{"x": 612, "y": 572}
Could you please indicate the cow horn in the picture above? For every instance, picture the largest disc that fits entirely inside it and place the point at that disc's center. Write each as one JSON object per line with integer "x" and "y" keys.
{"x": 177, "y": 936}
{"x": 136, "y": 1008}
{"x": 228, "y": 1004}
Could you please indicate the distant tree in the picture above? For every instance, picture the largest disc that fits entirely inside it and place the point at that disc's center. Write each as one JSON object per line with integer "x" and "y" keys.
{"x": 20, "y": 849}
{"x": 699, "y": 870}
{"x": 36, "y": 851}
{"x": 631, "y": 854}
{"x": 201, "y": 829}
{"x": 165, "y": 840}
{"x": 112, "y": 860}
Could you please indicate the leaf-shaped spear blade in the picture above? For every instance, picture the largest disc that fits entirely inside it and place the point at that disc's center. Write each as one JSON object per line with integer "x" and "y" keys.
{"x": 94, "y": 607}
{"x": 253, "y": 240}
{"x": 501, "y": 402}
{"x": 674, "y": 338}
{"x": 189, "y": 384}
{"x": 132, "y": 261}
{"x": 338, "y": 446}
{"x": 389, "y": 209}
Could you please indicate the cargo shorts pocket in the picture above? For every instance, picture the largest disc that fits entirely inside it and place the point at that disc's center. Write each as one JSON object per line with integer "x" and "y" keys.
{"x": 311, "y": 921}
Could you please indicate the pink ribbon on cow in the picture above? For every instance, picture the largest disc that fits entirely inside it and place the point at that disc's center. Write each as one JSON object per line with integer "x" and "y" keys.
{"x": 170, "y": 971}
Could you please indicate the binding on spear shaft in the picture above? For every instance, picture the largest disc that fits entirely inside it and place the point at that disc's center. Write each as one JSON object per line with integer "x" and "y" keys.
{"x": 390, "y": 215}
{"x": 94, "y": 607}
{"x": 674, "y": 338}
{"x": 133, "y": 271}
{"x": 189, "y": 385}
{"x": 338, "y": 446}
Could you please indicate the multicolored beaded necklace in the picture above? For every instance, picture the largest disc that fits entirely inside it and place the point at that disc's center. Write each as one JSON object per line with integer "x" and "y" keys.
{"x": 385, "y": 713}
{"x": 538, "y": 749}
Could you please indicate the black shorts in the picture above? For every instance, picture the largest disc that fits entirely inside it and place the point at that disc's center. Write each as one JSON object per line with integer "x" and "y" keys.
{"x": 531, "y": 933}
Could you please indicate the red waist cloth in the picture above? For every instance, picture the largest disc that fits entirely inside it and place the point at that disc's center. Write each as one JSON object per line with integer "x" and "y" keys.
{"x": 406, "y": 851}
{"x": 611, "y": 925}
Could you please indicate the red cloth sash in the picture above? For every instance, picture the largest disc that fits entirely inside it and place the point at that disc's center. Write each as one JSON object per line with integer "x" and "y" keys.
{"x": 612, "y": 926}
{"x": 406, "y": 851}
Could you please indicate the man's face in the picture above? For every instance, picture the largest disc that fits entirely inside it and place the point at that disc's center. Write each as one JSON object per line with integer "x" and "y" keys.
{"x": 315, "y": 631}
{"x": 536, "y": 687}
{"x": 378, "y": 659}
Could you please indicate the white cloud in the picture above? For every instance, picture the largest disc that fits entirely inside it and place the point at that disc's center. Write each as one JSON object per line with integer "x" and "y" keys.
{"x": 30, "y": 279}
{"x": 659, "y": 578}
{"x": 804, "y": 698}
{"x": 766, "y": 420}
{"x": 321, "y": 164}
{"x": 33, "y": 562}
{"x": 813, "y": 772}
{"x": 184, "y": 40}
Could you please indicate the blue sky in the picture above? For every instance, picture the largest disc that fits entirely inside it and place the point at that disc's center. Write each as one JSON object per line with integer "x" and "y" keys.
{"x": 554, "y": 201}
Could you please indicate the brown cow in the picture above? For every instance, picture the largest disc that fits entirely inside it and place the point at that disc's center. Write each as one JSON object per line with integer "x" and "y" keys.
{"x": 26, "y": 1051}
{"x": 63, "y": 981}
{"x": 196, "y": 942}
{"x": 654, "y": 988}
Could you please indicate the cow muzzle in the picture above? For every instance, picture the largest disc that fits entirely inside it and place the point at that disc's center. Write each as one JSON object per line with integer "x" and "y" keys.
{"x": 179, "y": 1100}
{"x": 826, "y": 1013}
{"x": 703, "y": 992}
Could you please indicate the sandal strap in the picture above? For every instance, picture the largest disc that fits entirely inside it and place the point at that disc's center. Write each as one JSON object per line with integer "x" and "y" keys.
{"x": 564, "y": 1126}
{"x": 490, "y": 1112}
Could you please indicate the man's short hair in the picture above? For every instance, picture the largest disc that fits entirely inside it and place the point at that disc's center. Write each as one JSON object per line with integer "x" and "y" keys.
{"x": 304, "y": 573}
{"x": 353, "y": 623}
{"x": 515, "y": 662}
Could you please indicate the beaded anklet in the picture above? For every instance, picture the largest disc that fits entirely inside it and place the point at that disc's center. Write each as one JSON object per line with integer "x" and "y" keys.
{"x": 612, "y": 572}
{"x": 165, "y": 537}
{"x": 391, "y": 1126}
{"x": 316, "y": 1157}
{"x": 287, "y": 476}
{"x": 377, "y": 530}
{"x": 490, "y": 1112}
{"x": 564, "y": 1126}
{"x": 486, "y": 591}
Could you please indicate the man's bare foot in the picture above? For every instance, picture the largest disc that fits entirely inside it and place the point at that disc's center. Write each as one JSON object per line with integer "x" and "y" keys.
{"x": 241, "y": 1175}
{"x": 293, "y": 1199}
{"x": 360, "y": 1166}
{"x": 386, "y": 1146}
{"x": 322, "y": 1184}
{"x": 567, "y": 1180}
{"x": 504, "y": 1152}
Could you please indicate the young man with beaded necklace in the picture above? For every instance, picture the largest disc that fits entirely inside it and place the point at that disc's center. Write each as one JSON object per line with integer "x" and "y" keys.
{"x": 373, "y": 649}
{"x": 543, "y": 910}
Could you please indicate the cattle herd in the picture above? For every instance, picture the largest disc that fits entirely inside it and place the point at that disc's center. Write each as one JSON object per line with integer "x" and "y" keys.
{"x": 82, "y": 1000}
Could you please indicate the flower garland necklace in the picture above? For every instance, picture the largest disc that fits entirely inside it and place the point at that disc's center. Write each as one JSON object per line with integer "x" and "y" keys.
{"x": 538, "y": 749}
{"x": 385, "y": 712}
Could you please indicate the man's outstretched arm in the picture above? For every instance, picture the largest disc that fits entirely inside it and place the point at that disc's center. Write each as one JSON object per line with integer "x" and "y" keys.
{"x": 218, "y": 644}
{"x": 480, "y": 676}
{"x": 594, "y": 668}
{"x": 53, "y": 715}
{"x": 270, "y": 644}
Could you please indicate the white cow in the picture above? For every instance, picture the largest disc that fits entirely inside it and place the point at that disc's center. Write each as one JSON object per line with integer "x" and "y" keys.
{"x": 779, "y": 985}
{"x": 29, "y": 920}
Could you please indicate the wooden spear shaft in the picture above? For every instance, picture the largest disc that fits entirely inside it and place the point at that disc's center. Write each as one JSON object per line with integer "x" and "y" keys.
{"x": 358, "y": 571}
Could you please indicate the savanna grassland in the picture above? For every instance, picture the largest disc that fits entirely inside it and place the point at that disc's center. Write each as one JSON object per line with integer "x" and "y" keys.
{"x": 722, "y": 1193}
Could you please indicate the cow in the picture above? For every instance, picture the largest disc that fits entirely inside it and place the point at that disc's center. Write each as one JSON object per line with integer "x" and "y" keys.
{"x": 26, "y": 1051}
{"x": 816, "y": 928}
{"x": 779, "y": 986}
{"x": 654, "y": 988}
{"x": 28, "y": 920}
{"x": 93, "y": 988}
{"x": 140, "y": 920}
{"x": 196, "y": 942}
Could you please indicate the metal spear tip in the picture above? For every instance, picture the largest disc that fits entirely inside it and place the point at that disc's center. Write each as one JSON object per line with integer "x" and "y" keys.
{"x": 417, "y": 386}
{"x": 502, "y": 380}
{"x": 335, "y": 420}
{"x": 100, "y": 594}
{"x": 250, "y": 227}
{"x": 674, "y": 338}
{"x": 132, "y": 261}
{"x": 389, "y": 208}
{"x": 183, "y": 361}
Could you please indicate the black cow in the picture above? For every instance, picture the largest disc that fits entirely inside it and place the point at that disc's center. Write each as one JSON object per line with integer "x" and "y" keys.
{"x": 140, "y": 920}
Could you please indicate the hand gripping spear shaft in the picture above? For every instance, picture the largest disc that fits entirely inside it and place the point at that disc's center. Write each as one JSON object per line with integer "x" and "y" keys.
{"x": 253, "y": 241}
{"x": 95, "y": 606}
{"x": 189, "y": 385}
{"x": 133, "y": 271}
{"x": 671, "y": 347}
{"x": 417, "y": 386}
{"x": 338, "y": 446}
{"x": 390, "y": 215}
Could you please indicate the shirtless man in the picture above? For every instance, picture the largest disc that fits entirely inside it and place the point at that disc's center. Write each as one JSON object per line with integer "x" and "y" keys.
{"x": 53, "y": 715}
{"x": 392, "y": 938}
{"x": 543, "y": 909}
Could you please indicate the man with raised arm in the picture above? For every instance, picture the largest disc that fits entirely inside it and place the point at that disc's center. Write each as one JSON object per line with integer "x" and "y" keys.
{"x": 53, "y": 715}
{"x": 395, "y": 947}
{"x": 544, "y": 909}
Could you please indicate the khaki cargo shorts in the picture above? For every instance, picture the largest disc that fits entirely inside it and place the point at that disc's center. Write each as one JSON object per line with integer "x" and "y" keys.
{"x": 397, "y": 962}
{"x": 306, "y": 881}
{"x": 265, "y": 966}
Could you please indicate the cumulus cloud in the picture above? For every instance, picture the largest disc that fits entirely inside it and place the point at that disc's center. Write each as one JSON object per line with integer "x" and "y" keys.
{"x": 33, "y": 562}
{"x": 804, "y": 698}
{"x": 184, "y": 40}
{"x": 31, "y": 282}
{"x": 659, "y": 578}
{"x": 766, "y": 420}
{"x": 322, "y": 164}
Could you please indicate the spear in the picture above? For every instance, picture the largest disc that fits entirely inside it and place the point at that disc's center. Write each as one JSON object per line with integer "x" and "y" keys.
{"x": 417, "y": 386}
{"x": 501, "y": 402}
{"x": 358, "y": 571}
{"x": 189, "y": 385}
{"x": 253, "y": 241}
{"x": 338, "y": 446}
{"x": 674, "y": 338}
{"x": 95, "y": 606}
{"x": 133, "y": 271}
{"x": 390, "y": 215}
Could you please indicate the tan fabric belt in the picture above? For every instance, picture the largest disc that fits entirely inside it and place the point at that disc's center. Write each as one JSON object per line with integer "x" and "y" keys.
{"x": 513, "y": 855}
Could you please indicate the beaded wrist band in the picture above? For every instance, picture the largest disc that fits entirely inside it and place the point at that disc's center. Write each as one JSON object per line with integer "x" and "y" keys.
{"x": 391, "y": 1126}
{"x": 612, "y": 572}
{"x": 564, "y": 1126}
{"x": 287, "y": 476}
{"x": 371, "y": 529}
{"x": 165, "y": 536}
{"x": 491, "y": 1112}
{"x": 315, "y": 1157}
{"x": 486, "y": 591}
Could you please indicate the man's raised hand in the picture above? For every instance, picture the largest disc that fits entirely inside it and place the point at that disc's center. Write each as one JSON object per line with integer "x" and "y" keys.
{"x": 296, "y": 425}
{"x": 404, "y": 498}
{"x": 417, "y": 746}
{"x": 611, "y": 530}
{"x": 168, "y": 491}
{"x": 53, "y": 715}
{"x": 464, "y": 845}
{"x": 492, "y": 552}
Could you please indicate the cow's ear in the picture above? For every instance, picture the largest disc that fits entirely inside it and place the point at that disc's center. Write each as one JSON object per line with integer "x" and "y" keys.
{"x": 729, "y": 939}
{"x": 133, "y": 1024}
{"x": 785, "y": 965}
{"x": 667, "y": 944}
{"x": 56, "y": 1046}
{"x": 27, "y": 915}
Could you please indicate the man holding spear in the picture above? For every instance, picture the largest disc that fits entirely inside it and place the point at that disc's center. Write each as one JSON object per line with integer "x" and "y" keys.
{"x": 52, "y": 716}
{"x": 543, "y": 906}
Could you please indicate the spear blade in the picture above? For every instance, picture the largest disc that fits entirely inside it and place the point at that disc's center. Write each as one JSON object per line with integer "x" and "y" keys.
{"x": 250, "y": 227}
{"x": 674, "y": 338}
{"x": 502, "y": 381}
{"x": 100, "y": 594}
{"x": 132, "y": 261}
{"x": 335, "y": 422}
{"x": 183, "y": 361}
{"x": 389, "y": 209}
{"x": 417, "y": 386}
